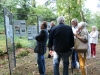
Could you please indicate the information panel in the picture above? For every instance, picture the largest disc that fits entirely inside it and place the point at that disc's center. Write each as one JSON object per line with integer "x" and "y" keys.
{"x": 32, "y": 32}
{"x": 20, "y": 27}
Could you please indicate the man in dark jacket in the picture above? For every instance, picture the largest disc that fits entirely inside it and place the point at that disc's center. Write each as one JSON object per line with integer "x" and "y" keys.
{"x": 42, "y": 38}
{"x": 62, "y": 39}
{"x": 52, "y": 25}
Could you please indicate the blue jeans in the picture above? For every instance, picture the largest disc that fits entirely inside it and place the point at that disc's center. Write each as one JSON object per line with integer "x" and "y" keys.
{"x": 56, "y": 61}
{"x": 74, "y": 58}
{"x": 41, "y": 63}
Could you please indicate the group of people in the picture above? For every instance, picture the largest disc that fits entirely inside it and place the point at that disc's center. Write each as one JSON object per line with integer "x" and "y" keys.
{"x": 61, "y": 44}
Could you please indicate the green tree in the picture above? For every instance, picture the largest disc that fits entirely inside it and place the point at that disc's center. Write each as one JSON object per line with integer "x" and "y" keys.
{"x": 87, "y": 15}
{"x": 97, "y": 20}
{"x": 45, "y": 13}
{"x": 70, "y": 9}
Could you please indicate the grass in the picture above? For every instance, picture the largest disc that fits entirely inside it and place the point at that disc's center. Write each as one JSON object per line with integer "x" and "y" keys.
{"x": 3, "y": 42}
{"x": 23, "y": 53}
{"x": 23, "y": 41}
{"x": 1, "y": 28}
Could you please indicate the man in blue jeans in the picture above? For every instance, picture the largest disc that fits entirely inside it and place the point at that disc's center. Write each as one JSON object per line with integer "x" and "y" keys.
{"x": 74, "y": 23}
{"x": 42, "y": 38}
{"x": 62, "y": 40}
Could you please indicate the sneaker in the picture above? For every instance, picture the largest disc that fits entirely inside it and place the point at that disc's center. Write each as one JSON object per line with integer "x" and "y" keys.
{"x": 88, "y": 57}
{"x": 93, "y": 56}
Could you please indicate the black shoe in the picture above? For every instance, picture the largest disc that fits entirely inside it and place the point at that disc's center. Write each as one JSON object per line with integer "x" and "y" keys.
{"x": 49, "y": 56}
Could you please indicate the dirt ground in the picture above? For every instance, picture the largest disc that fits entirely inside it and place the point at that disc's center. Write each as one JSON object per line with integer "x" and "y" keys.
{"x": 27, "y": 65}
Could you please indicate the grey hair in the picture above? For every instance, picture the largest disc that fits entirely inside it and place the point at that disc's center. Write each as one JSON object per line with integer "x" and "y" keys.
{"x": 94, "y": 27}
{"x": 75, "y": 20}
{"x": 82, "y": 24}
{"x": 60, "y": 19}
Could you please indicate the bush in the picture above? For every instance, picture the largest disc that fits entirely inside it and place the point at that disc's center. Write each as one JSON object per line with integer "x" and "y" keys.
{"x": 24, "y": 42}
{"x": 18, "y": 45}
{"x": 23, "y": 53}
{"x": 1, "y": 53}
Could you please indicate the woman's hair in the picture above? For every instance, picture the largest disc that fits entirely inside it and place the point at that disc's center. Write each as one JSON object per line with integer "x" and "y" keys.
{"x": 45, "y": 24}
{"x": 82, "y": 24}
{"x": 94, "y": 27}
{"x": 60, "y": 19}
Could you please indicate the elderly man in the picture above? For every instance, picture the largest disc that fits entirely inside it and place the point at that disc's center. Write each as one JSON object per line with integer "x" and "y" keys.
{"x": 52, "y": 25}
{"x": 74, "y": 23}
{"x": 62, "y": 40}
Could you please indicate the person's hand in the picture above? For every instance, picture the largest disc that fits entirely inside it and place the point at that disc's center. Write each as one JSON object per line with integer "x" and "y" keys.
{"x": 51, "y": 53}
{"x": 74, "y": 34}
{"x": 77, "y": 35}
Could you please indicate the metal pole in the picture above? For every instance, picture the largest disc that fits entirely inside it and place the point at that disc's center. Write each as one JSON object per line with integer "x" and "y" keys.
{"x": 4, "y": 10}
{"x": 13, "y": 40}
{"x": 37, "y": 24}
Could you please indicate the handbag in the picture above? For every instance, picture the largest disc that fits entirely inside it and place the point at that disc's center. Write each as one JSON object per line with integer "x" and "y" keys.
{"x": 39, "y": 48}
{"x": 80, "y": 47}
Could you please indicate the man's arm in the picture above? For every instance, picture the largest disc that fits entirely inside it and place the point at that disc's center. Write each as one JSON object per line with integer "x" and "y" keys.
{"x": 72, "y": 39}
{"x": 41, "y": 36}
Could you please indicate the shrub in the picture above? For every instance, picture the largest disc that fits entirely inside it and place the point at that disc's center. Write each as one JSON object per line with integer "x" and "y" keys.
{"x": 1, "y": 53}
{"x": 23, "y": 53}
{"x": 18, "y": 45}
{"x": 4, "y": 62}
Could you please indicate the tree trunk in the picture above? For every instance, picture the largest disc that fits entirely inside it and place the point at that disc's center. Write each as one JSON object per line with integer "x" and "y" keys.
{"x": 82, "y": 16}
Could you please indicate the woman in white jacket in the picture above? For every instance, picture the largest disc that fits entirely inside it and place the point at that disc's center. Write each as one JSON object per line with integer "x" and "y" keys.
{"x": 93, "y": 40}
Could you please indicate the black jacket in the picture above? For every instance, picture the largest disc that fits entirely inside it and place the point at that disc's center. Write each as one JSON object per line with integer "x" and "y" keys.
{"x": 61, "y": 37}
{"x": 49, "y": 34}
{"x": 42, "y": 38}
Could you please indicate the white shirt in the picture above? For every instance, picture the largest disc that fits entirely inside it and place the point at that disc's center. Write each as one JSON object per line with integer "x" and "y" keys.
{"x": 94, "y": 37}
{"x": 74, "y": 30}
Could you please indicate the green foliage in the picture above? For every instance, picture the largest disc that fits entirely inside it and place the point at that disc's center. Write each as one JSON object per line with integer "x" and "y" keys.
{"x": 23, "y": 53}
{"x": 1, "y": 53}
{"x": 2, "y": 29}
{"x": 4, "y": 62}
{"x": 22, "y": 14}
{"x": 24, "y": 42}
{"x": 97, "y": 20}
{"x": 18, "y": 45}
{"x": 1, "y": 18}
{"x": 70, "y": 9}
{"x": 25, "y": 7}
{"x": 3, "y": 42}
{"x": 45, "y": 13}
{"x": 87, "y": 15}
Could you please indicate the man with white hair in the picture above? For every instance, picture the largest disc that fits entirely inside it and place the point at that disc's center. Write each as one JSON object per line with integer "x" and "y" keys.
{"x": 74, "y": 23}
{"x": 62, "y": 39}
